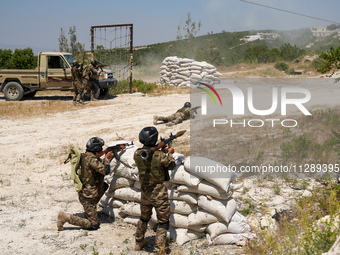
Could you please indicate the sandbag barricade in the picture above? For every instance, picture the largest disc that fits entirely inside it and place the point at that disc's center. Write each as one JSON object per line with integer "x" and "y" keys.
{"x": 179, "y": 72}
{"x": 200, "y": 204}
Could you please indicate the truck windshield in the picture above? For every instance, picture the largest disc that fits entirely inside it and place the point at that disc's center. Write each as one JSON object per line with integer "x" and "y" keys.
{"x": 69, "y": 59}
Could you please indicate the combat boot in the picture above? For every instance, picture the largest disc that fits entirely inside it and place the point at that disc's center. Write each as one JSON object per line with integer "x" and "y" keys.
{"x": 140, "y": 245}
{"x": 155, "y": 120}
{"x": 62, "y": 219}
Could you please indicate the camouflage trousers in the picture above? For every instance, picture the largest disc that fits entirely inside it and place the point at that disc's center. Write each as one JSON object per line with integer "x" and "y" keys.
{"x": 156, "y": 197}
{"x": 88, "y": 87}
{"x": 175, "y": 118}
{"x": 78, "y": 90}
{"x": 91, "y": 215}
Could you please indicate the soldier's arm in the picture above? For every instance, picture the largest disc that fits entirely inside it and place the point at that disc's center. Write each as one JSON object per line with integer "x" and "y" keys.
{"x": 101, "y": 167}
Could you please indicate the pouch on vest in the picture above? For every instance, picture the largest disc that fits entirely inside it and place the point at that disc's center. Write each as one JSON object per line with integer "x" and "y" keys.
{"x": 75, "y": 157}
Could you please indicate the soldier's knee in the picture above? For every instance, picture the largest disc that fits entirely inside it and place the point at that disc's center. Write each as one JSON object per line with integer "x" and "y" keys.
{"x": 93, "y": 226}
{"x": 144, "y": 220}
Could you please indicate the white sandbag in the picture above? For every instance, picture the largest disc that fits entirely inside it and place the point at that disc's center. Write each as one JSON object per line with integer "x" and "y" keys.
{"x": 195, "y": 76}
{"x": 184, "y": 72}
{"x": 239, "y": 239}
{"x": 181, "y": 176}
{"x": 195, "y": 67}
{"x": 219, "y": 228}
{"x": 184, "y": 65}
{"x": 196, "y": 72}
{"x": 179, "y": 158}
{"x": 185, "y": 60}
{"x": 178, "y": 220}
{"x": 182, "y": 235}
{"x": 224, "y": 209}
{"x": 132, "y": 209}
{"x": 184, "y": 196}
{"x": 182, "y": 207}
{"x": 128, "y": 193}
{"x": 125, "y": 169}
{"x": 107, "y": 200}
{"x": 210, "y": 170}
{"x": 198, "y": 228}
{"x": 210, "y": 70}
{"x": 206, "y": 188}
{"x": 184, "y": 84}
{"x": 118, "y": 181}
{"x": 113, "y": 212}
{"x": 201, "y": 217}
{"x": 217, "y": 74}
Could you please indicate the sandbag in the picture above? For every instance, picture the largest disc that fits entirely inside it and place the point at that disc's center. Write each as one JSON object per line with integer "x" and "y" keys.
{"x": 182, "y": 207}
{"x": 128, "y": 193}
{"x": 178, "y": 220}
{"x": 202, "y": 217}
{"x": 206, "y": 188}
{"x": 113, "y": 212}
{"x": 132, "y": 209}
{"x": 239, "y": 239}
{"x": 124, "y": 167}
{"x": 224, "y": 209}
{"x": 218, "y": 228}
{"x": 181, "y": 176}
{"x": 182, "y": 235}
{"x": 210, "y": 170}
{"x": 184, "y": 196}
{"x": 117, "y": 182}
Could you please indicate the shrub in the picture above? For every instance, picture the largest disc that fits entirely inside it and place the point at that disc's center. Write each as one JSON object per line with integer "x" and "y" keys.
{"x": 281, "y": 66}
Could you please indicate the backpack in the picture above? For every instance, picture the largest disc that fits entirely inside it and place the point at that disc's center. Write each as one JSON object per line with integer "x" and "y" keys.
{"x": 75, "y": 157}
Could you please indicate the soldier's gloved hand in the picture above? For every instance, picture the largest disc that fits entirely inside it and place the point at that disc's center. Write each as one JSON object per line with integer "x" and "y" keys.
{"x": 109, "y": 155}
{"x": 171, "y": 150}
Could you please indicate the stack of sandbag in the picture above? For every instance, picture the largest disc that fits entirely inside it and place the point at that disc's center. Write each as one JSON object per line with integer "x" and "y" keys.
{"x": 200, "y": 204}
{"x": 179, "y": 72}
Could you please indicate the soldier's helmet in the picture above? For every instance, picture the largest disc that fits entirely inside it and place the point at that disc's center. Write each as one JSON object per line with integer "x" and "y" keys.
{"x": 94, "y": 63}
{"x": 95, "y": 144}
{"x": 148, "y": 136}
{"x": 187, "y": 104}
{"x": 75, "y": 63}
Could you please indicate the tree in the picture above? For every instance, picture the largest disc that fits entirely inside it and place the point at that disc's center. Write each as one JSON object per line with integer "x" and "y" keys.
{"x": 22, "y": 59}
{"x": 63, "y": 43}
{"x": 74, "y": 47}
{"x": 190, "y": 29}
{"x": 5, "y": 56}
{"x": 330, "y": 61}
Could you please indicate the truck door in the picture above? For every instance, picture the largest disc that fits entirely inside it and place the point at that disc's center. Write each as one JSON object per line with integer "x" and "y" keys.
{"x": 58, "y": 73}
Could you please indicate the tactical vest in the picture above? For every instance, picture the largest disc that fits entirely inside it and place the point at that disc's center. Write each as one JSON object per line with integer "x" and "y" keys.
{"x": 182, "y": 110}
{"x": 89, "y": 177}
{"x": 150, "y": 171}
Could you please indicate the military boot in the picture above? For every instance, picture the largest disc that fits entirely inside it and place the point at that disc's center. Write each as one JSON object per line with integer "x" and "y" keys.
{"x": 62, "y": 219}
{"x": 140, "y": 245}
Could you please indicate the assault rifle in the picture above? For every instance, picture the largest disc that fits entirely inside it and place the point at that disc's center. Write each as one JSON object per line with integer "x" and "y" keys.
{"x": 144, "y": 154}
{"x": 194, "y": 109}
{"x": 115, "y": 147}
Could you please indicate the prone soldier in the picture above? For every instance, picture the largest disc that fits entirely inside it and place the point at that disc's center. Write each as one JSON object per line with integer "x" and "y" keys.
{"x": 181, "y": 114}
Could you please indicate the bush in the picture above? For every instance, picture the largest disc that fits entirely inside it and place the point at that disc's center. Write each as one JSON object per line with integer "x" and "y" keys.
{"x": 281, "y": 66}
{"x": 137, "y": 85}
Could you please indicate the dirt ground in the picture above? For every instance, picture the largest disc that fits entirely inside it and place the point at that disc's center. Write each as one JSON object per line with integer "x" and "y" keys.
{"x": 35, "y": 184}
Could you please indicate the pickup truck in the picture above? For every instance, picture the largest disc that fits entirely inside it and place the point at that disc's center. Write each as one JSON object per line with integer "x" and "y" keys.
{"x": 53, "y": 72}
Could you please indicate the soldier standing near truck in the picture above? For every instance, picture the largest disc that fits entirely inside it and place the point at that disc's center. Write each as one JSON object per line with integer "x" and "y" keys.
{"x": 88, "y": 71}
{"x": 153, "y": 173}
{"x": 77, "y": 82}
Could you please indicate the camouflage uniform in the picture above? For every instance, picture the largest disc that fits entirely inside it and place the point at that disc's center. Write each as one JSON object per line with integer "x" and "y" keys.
{"x": 153, "y": 172}
{"x": 88, "y": 71}
{"x": 182, "y": 114}
{"x": 92, "y": 177}
{"x": 77, "y": 83}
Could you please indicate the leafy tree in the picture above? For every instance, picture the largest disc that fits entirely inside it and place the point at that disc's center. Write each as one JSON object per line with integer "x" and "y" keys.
{"x": 22, "y": 59}
{"x": 330, "y": 61}
{"x": 289, "y": 52}
{"x": 190, "y": 28}
{"x": 5, "y": 56}
{"x": 63, "y": 43}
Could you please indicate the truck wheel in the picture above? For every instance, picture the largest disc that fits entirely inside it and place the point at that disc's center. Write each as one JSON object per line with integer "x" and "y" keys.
{"x": 95, "y": 87}
{"x": 104, "y": 92}
{"x": 13, "y": 91}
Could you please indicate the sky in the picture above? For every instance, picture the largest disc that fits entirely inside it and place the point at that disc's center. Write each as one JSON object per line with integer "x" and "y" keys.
{"x": 37, "y": 24}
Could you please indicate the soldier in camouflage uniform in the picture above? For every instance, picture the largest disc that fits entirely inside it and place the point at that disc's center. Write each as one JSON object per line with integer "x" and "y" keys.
{"x": 77, "y": 82}
{"x": 93, "y": 171}
{"x": 88, "y": 71}
{"x": 153, "y": 172}
{"x": 182, "y": 114}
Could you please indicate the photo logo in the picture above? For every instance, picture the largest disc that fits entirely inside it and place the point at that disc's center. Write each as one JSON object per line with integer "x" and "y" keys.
{"x": 204, "y": 98}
